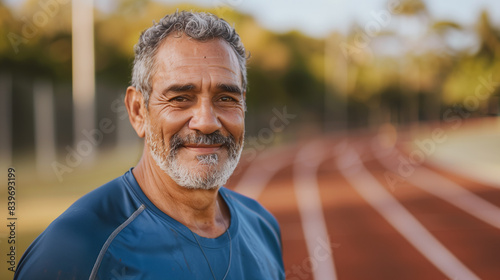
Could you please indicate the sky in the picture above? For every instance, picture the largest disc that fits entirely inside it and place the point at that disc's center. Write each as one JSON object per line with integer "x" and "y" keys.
{"x": 318, "y": 18}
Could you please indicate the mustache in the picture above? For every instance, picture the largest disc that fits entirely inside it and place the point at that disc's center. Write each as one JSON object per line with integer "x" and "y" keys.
{"x": 198, "y": 138}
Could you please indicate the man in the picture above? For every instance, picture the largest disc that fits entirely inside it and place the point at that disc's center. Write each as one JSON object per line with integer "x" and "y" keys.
{"x": 169, "y": 217}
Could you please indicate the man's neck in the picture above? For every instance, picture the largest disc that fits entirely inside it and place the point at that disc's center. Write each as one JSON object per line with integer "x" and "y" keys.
{"x": 203, "y": 211}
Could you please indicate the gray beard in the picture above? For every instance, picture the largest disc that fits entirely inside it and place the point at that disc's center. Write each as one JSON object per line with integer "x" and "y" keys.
{"x": 209, "y": 172}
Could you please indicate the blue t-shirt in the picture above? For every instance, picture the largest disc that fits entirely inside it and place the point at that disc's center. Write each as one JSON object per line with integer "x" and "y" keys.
{"x": 116, "y": 232}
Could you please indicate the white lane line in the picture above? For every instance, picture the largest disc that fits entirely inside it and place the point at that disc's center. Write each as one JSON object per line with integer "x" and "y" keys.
{"x": 311, "y": 210}
{"x": 487, "y": 174}
{"x": 400, "y": 218}
{"x": 445, "y": 189}
{"x": 262, "y": 170}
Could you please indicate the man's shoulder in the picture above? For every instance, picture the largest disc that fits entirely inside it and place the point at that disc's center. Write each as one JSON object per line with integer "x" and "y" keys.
{"x": 114, "y": 197}
{"x": 261, "y": 229}
{"x": 244, "y": 200}
{"x": 251, "y": 208}
{"x": 78, "y": 234}
{"x": 99, "y": 211}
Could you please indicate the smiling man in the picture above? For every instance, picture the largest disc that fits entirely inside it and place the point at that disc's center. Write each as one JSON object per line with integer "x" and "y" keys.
{"x": 170, "y": 217}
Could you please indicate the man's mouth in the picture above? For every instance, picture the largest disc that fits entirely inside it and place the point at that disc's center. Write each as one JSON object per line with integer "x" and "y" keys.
{"x": 203, "y": 149}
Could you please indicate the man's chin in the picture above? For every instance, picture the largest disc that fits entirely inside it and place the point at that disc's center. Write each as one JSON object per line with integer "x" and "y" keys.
{"x": 202, "y": 171}
{"x": 200, "y": 180}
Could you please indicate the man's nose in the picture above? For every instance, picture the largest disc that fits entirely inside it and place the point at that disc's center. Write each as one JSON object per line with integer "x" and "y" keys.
{"x": 205, "y": 118}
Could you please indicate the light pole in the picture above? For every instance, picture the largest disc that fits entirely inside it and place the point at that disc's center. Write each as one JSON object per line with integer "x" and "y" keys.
{"x": 83, "y": 73}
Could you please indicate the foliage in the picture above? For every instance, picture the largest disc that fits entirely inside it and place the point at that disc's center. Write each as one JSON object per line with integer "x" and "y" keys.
{"x": 284, "y": 69}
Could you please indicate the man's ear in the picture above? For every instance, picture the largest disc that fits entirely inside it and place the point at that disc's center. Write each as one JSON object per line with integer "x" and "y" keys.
{"x": 134, "y": 101}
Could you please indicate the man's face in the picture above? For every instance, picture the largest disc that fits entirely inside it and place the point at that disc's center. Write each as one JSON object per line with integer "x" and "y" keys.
{"x": 195, "y": 120}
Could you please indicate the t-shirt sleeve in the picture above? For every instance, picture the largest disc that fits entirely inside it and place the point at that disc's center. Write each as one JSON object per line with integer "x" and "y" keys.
{"x": 65, "y": 250}
{"x": 70, "y": 246}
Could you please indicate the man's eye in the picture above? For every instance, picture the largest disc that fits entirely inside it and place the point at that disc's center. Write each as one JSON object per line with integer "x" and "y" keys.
{"x": 227, "y": 99}
{"x": 179, "y": 99}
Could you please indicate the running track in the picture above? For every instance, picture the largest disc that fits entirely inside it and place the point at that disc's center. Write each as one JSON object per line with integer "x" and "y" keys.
{"x": 349, "y": 209}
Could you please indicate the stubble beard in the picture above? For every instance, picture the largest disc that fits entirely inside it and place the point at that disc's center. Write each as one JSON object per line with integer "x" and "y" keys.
{"x": 209, "y": 172}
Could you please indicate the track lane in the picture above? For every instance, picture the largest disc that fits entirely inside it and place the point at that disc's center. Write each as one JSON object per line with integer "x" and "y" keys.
{"x": 439, "y": 186}
{"x": 364, "y": 244}
{"x": 402, "y": 220}
{"x": 306, "y": 188}
{"x": 370, "y": 248}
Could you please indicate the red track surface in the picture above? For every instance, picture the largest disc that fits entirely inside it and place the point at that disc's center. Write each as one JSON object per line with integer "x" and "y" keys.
{"x": 363, "y": 243}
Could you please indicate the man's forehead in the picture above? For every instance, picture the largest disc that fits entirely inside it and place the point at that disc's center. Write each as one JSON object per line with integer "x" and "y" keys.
{"x": 193, "y": 57}
{"x": 221, "y": 66}
{"x": 181, "y": 61}
{"x": 188, "y": 50}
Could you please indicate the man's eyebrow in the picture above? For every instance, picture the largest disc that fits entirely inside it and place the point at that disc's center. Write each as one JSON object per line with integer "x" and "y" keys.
{"x": 229, "y": 88}
{"x": 180, "y": 88}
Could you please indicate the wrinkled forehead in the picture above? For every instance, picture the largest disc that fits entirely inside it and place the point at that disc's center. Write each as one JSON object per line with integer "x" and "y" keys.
{"x": 183, "y": 51}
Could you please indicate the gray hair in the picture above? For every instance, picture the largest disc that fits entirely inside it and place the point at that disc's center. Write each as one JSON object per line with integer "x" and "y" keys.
{"x": 199, "y": 26}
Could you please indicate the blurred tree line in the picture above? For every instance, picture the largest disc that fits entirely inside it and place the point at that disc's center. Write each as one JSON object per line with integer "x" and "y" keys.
{"x": 373, "y": 75}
